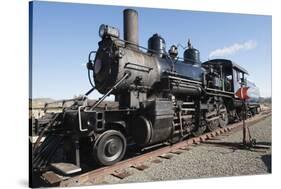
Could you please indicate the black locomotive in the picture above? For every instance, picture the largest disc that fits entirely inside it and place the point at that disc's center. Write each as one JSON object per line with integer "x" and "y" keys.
{"x": 161, "y": 98}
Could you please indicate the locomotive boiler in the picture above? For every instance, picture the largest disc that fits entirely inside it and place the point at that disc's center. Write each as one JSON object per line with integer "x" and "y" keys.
{"x": 146, "y": 71}
{"x": 161, "y": 98}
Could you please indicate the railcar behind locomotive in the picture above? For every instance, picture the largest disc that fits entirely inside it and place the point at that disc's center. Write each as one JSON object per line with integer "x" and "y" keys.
{"x": 162, "y": 98}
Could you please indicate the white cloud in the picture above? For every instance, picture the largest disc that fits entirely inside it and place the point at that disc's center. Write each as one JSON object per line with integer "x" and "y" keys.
{"x": 230, "y": 50}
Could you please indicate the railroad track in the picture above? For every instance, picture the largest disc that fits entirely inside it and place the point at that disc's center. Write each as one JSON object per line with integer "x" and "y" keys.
{"x": 137, "y": 162}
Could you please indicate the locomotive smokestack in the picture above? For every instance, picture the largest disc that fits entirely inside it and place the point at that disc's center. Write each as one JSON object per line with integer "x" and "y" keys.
{"x": 131, "y": 28}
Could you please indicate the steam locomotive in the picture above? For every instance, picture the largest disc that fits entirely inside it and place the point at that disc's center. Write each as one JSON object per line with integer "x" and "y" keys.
{"x": 161, "y": 98}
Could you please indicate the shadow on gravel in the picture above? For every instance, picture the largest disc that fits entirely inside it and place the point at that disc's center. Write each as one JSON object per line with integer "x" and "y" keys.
{"x": 239, "y": 146}
{"x": 267, "y": 161}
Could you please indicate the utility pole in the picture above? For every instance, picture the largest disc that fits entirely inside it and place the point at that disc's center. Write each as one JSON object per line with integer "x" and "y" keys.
{"x": 244, "y": 113}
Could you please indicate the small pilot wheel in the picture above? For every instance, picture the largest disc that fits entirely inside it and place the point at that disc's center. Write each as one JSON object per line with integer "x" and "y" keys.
{"x": 110, "y": 147}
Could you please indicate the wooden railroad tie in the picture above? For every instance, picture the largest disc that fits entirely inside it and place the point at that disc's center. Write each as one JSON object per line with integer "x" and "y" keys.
{"x": 140, "y": 167}
{"x": 121, "y": 174}
{"x": 178, "y": 152}
{"x": 185, "y": 148}
{"x": 156, "y": 161}
{"x": 166, "y": 156}
{"x": 51, "y": 177}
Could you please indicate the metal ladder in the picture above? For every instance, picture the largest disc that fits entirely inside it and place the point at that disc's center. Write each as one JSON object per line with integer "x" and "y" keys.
{"x": 185, "y": 112}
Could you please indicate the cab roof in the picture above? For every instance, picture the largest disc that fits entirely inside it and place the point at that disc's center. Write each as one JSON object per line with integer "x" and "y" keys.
{"x": 227, "y": 63}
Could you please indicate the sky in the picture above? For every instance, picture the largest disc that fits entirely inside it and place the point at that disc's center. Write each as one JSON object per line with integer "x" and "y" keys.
{"x": 64, "y": 33}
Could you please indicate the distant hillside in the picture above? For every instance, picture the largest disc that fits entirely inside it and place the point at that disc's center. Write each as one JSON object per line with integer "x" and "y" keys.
{"x": 40, "y": 102}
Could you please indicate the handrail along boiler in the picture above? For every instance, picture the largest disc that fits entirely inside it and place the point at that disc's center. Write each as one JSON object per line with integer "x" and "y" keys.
{"x": 161, "y": 98}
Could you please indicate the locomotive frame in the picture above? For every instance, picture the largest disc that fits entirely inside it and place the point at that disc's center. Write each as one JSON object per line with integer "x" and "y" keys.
{"x": 162, "y": 98}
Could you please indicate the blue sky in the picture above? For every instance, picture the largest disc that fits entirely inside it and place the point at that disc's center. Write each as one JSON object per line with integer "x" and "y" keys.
{"x": 64, "y": 33}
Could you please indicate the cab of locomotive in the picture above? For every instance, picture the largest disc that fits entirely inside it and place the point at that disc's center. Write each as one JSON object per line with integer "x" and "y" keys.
{"x": 219, "y": 75}
{"x": 225, "y": 75}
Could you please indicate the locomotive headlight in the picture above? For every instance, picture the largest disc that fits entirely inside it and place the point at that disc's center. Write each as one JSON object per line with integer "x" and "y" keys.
{"x": 102, "y": 30}
{"x": 108, "y": 30}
